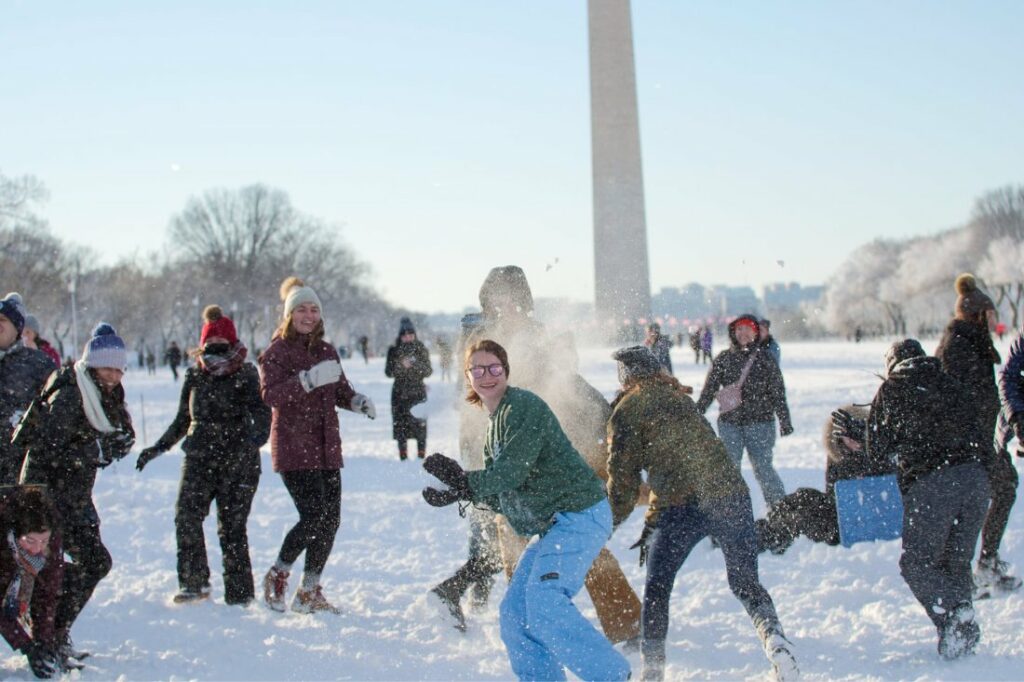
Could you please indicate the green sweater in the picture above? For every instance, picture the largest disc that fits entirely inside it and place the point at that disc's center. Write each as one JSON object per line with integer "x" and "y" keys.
{"x": 656, "y": 428}
{"x": 531, "y": 471}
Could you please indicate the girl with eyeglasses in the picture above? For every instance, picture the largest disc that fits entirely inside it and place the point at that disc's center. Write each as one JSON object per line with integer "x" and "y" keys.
{"x": 540, "y": 483}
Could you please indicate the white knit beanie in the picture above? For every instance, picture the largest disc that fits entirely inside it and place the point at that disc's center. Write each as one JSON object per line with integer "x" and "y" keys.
{"x": 299, "y": 295}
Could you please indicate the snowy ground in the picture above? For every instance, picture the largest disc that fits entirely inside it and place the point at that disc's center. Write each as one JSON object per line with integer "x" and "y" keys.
{"x": 847, "y": 610}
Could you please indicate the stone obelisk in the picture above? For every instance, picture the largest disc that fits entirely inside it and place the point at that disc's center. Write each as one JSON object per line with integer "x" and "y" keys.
{"x": 622, "y": 275}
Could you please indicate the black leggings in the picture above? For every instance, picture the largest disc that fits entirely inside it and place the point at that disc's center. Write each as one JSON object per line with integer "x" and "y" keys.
{"x": 1002, "y": 480}
{"x": 90, "y": 563}
{"x": 317, "y": 497}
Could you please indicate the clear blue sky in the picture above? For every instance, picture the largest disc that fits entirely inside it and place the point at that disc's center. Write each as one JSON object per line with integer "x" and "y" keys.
{"x": 446, "y": 137}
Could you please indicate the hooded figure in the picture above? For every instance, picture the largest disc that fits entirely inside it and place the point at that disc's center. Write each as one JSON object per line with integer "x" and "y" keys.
{"x": 408, "y": 363}
{"x": 749, "y": 373}
{"x": 922, "y": 419}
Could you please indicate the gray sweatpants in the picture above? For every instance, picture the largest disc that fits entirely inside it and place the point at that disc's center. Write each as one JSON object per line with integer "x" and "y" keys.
{"x": 942, "y": 517}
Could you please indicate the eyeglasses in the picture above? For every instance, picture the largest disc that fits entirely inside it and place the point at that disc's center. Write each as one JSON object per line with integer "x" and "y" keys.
{"x": 477, "y": 371}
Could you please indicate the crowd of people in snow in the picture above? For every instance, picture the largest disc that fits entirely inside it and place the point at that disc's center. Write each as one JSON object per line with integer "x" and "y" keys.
{"x": 547, "y": 470}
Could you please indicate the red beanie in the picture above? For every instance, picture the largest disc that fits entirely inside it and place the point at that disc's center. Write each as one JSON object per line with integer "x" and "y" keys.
{"x": 217, "y": 324}
{"x": 746, "y": 322}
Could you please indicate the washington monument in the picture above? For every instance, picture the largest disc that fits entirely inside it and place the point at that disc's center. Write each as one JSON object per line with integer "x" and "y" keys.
{"x": 622, "y": 290}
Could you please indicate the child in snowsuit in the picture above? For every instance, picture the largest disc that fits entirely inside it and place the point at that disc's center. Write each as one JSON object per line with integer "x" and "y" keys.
{"x": 695, "y": 492}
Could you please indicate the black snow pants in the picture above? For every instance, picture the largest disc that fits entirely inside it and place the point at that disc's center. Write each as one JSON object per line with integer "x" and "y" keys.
{"x": 231, "y": 481}
{"x": 1002, "y": 479}
{"x": 90, "y": 563}
{"x": 942, "y": 516}
{"x": 317, "y": 497}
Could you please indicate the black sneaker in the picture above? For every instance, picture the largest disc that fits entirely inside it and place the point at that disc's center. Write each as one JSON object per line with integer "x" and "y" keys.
{"x": 191, "y": 595}
{"x": 448, "y": 600}
{"x": 66, "y": 649}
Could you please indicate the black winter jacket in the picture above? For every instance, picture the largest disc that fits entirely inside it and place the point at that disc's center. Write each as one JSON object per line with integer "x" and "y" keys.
{"x": 968, "y": 355}
{"x": 922, "y": 420}
{"x": 23, "y": 371}
{"x": 69, "y": 450}
{"x": 219, "y": 416}
{"x": 408, "y": 389}
{"x": 764, "y": 392}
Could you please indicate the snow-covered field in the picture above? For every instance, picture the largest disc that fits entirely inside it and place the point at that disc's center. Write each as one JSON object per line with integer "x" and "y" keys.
{"x": 847, "y": 611}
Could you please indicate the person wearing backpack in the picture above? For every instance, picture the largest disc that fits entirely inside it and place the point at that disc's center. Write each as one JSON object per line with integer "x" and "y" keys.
{"x": 748, "y": 384}
{"x": 83, "y": 426}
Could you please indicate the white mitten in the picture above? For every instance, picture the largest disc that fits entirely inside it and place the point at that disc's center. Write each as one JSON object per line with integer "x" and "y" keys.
{"x": 362, "y": 403}
{"x": 320, "y": 374}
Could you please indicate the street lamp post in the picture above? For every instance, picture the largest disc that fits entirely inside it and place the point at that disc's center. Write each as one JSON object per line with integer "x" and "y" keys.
{"x": 72, "y": 287}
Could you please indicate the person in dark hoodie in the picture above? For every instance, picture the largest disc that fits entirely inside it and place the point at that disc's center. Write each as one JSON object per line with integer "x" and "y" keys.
{"x": 83, "y": 426}
{"x": 695, "y": 492}
{"x": 923, "y": 420}
{"x": 23, "y": 371}
{"x": 224, "y": 422}
{"x": 968, "y": 354}
{"x": 768, "y": 341}
{"x": 747, "y": 371}
{"x": 660, "y": 345}
{"x": 408, "y": 363}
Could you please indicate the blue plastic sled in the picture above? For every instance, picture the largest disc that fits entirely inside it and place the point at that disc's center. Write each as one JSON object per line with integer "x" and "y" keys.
{"x": 869, "y": 509}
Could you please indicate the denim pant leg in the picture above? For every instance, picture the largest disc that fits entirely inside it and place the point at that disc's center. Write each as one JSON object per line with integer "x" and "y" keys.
{"x": 760, "y": 440}
{"x": 554, "y": 575}
{"x": 732, "y": 437}
{"x": 731, "y": 522}
{"x": 678, "y": 532}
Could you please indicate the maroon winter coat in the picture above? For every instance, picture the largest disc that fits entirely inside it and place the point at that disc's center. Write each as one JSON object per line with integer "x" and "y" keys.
{"x": 304, "y": 431}
{"x": 44, "y": 594}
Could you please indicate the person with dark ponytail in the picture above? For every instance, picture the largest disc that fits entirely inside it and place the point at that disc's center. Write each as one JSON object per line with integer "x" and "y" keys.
{"x": 31, "y": 570}
{"x": 303, "y": 383}
{"x": 225, "y": 421}
{"x": 408, "y": 364}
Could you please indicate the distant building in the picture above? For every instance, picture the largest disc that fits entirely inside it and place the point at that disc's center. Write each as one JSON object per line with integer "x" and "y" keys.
{"x": 790, "y": 295}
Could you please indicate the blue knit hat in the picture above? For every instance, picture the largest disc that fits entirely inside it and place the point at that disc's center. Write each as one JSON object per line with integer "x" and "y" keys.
{"x": 105, "y": 349}
{"x": 12, "y": 307}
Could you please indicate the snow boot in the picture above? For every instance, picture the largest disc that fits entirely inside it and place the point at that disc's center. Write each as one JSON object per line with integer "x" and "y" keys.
{"x": 778, "y": 649}
{"x": 190, "y": 595}
{"x": 652, "y": 653}
{"x": 313, "y": 601}
{"x": 959, "y": 634}
{"x": 275, "y": 585}
{"x": 991, "y": 577}
{"x": 446, "y": 597}
{"x": 66, "y": 648}
{"x": 480, "y": 592}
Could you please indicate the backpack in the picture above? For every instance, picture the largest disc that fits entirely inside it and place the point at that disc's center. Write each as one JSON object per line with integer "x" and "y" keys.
{"x": 26, "y": 433}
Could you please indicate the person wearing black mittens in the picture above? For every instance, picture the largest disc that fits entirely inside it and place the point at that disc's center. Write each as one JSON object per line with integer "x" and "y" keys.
{"x": 31, "y": 570}
{"x": 83, "y": 426}
{"x": 408, "y": 364}
{"x": 224, "y": 422}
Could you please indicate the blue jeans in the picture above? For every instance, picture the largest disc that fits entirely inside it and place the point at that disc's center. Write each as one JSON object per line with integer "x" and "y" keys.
{"x": 731, "y": 522}
{"x": 542, "y": 629}
{"x": 758, "y": 439}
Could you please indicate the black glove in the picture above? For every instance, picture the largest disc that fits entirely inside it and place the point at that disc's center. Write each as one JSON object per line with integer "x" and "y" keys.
{"x": 785, "y": 429}
{"x": 1017, "y": 422}
{"x": 147, "y": 456}
{"x": 441, "y": 498}
{"x": 846, "y": 425}
{"x": 43, "y": 660}
{"x": 114, "y": 445}
{"x": 448, "y": 471}
{"x": 644, "y": 543}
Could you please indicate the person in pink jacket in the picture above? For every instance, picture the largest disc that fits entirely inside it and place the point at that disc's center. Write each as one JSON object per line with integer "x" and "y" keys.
{"x": 302, "y": 381}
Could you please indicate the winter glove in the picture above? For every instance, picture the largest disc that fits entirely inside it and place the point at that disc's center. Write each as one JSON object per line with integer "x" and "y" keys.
{"x": 644, "y": 543}
{"x": 845, "y": 425}
{"x": 42, "y": 659}
{"x": 147, "y": 456}
{"x": 320, "y": 374}
{"x": 441, "y": 498}
{"x": 448, "y": 471}
{"x": 113, "y": 446}
{"x": 785, "y": 429}
{"x": 362, "y": 403}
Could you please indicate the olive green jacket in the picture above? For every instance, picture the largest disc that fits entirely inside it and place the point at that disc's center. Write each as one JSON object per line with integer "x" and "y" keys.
{"x": 656, "y": 428}
{"x": 531, "y": 471}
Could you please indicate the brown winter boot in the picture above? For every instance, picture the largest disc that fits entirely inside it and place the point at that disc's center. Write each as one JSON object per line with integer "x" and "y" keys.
{"x": 275, "y": 585}
{"x": 312, "y": 601}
